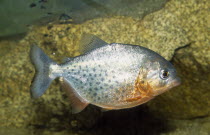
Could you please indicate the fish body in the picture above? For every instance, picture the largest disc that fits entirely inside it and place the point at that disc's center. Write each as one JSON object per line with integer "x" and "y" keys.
{"x": 113, "y": 76}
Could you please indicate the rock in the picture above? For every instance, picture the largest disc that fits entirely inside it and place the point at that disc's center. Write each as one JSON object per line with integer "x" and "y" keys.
{"x": 192, "y": 98}
{"x": 199, "y": 126}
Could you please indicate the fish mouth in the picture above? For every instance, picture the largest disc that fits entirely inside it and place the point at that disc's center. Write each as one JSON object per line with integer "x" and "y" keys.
{"x": 176, "y": 82}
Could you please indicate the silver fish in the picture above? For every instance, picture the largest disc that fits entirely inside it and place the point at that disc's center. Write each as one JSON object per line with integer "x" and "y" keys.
{"x": 111, "y": 76}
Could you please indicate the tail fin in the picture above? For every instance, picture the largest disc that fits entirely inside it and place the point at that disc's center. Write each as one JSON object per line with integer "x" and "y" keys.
{"x": 42, "y": 78}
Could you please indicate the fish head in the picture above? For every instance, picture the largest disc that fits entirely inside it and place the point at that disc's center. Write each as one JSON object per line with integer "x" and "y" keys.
{"x": 160, "y": 76}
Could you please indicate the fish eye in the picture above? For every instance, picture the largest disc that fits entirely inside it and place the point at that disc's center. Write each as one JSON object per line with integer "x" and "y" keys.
{"x": 164, "y": 74}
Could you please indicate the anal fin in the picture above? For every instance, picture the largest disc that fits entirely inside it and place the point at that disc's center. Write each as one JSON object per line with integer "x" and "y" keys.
{"x": 77, "y": 102}
{"x": 106, "y": 109}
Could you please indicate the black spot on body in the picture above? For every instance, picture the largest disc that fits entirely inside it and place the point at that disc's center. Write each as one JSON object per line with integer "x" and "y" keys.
{"x": 111, "y": 87}
{"x": 102, "y": 79}
{"x": 94, "y": 94}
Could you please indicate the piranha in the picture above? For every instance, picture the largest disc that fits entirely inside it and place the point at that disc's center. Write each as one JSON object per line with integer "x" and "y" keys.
{"x": 111, "y": 76}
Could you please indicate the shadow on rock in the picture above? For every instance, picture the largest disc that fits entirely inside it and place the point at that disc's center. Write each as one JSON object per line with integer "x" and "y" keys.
{"x": 135, "y": 121}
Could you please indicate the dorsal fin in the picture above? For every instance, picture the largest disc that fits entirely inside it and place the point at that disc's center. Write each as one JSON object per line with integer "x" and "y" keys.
{"x": 67, "y": 59}
{"x": 89, "y": 42}
{"x": 77, "y": 102}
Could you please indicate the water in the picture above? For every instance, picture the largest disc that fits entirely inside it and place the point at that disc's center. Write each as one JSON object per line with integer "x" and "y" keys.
{"x": 176, "y": 29}
{"x": 16, "y": 16}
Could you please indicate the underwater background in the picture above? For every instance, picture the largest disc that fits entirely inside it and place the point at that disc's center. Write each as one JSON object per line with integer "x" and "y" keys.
{"x": 179, "y": 30}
